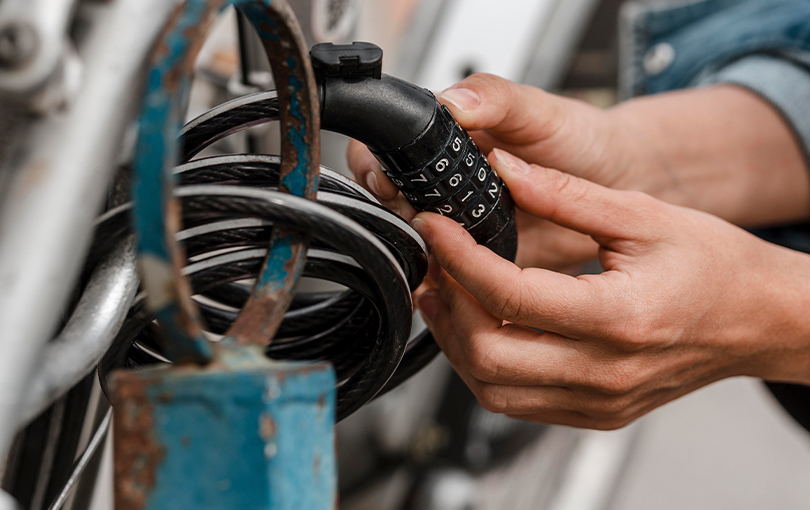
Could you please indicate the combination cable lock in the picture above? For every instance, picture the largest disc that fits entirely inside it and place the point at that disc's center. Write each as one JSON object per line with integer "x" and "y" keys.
{"x": 422, "y": 149}
{"x": 230, "y": 206}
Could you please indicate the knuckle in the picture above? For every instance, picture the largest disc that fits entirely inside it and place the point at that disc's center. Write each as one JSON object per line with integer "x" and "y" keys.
{"x": 618, "y": 382}
{"x": 507, "y": 303}
{"x": 613, "y": 408}
{"x": 483, "y": 361}
{"x": 637, "y": 327}
{"x": 492, "y": 398}
{"x": 568, "y": 185}
{"x": 646, "y": 207}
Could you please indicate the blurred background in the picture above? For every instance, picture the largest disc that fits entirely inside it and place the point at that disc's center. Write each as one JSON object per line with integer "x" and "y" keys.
{"x": 428, "y": 445}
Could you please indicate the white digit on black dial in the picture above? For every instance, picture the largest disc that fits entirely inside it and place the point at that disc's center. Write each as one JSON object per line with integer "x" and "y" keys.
{"x": 478, "y": 211}
{"x": 455, "y": 180}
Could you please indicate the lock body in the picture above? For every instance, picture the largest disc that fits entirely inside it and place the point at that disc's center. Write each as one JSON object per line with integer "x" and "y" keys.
{"x": 421, "y": 147}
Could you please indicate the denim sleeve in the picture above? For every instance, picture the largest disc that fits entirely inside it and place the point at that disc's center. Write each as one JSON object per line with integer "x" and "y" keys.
{"x": 782, "y": 80}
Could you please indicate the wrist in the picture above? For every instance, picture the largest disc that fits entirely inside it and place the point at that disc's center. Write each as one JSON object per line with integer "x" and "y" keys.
{"x": 781, "y": 344}
{"x": 719, "y": 149}
{"x": 642, "y": 162}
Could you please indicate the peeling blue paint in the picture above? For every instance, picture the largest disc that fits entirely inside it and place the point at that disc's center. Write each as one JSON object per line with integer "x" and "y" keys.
{"x": 257, "y": 435}
{"x": 296, "y": 181}
{"x": 275, "y": 271}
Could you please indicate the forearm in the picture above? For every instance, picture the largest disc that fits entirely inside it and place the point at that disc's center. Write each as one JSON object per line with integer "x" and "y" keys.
{"x": 719, "y": 149}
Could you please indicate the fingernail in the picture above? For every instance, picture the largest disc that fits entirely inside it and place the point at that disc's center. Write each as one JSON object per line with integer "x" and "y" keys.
{"x": 428, "y": 304}
{"x": 511, "y": 162}
{"x": 373, "y": 184}
{"x": 434, "y": 270}
{"x": 463, "y": 99}
{"x": 423, "y": 229}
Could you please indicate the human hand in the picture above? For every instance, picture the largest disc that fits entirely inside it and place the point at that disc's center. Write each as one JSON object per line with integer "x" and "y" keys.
{"x": 540, "y": 127}
{"x": 685, "y": 299}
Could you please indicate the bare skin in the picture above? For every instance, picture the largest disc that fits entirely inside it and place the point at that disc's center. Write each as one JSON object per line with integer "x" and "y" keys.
{"x": 686, "y": 298}
{"x": 720, "y": 149}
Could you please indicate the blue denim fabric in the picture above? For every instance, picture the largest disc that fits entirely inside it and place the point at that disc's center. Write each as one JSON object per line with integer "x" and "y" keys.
{"x": 762, "y": 45}
{"x": 711, "y": 33}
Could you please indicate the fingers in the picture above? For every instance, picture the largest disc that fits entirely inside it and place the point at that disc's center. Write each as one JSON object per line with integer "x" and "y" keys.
{"x": 485, "y": 101}
{"x": 532, "y": 297}
{"x": 510, "y": 354}
{"x": 576, "y": 203}
{"x": 574, "y": 419}
{"x": 368, "y": 173}
{"x": 565, "y": 405}
{"x": 493, "y": 397}
{"x": 540, "y": 127}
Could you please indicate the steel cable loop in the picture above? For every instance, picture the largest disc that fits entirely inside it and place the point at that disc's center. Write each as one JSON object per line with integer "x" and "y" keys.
{"x": 354, "y": 330}
{"x": 422, "y": 349}
{"x": 372, "y": 363}
{"x": 301, "y": 322}
{"x": 392, "y": 293}
{"x": 336, "y": 192}
{"x": 342, "y": 337}
{"x": 219, "y": 231}
{"x": 209, "y": 273}
{"x": 256, "y": 109}
{"x": 228, "y": 118}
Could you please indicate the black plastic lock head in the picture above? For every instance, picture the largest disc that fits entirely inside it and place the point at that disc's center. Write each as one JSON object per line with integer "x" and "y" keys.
{"x": 421, "y": 147}
{"x": 355, "y": 60}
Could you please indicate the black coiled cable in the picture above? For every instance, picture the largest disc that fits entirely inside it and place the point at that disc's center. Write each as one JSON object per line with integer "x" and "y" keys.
{"x": 229, "y": 210}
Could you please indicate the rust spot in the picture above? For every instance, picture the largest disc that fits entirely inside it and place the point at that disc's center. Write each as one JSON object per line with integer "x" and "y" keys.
{"x": 137, "y": 452}
{"x": 263, "y": 312}
{"x": 267, "y": 427}
{"x": 185, "y": 441}
{"x": 165, "y": 397}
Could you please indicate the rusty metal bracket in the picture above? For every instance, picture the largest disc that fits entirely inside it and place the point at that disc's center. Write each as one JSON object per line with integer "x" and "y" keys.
{"x": 157, "y": 214}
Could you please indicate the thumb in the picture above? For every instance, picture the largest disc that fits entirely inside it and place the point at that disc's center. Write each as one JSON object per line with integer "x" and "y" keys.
{"x": 533, "y": 124}
{"x": 486, "y": 101}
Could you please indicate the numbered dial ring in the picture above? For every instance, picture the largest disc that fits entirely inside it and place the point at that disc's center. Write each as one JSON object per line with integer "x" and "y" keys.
{"x": 458, "y": 182}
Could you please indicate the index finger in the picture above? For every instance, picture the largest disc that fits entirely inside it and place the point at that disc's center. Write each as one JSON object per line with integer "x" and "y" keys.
{"x": 532, "y": 297}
